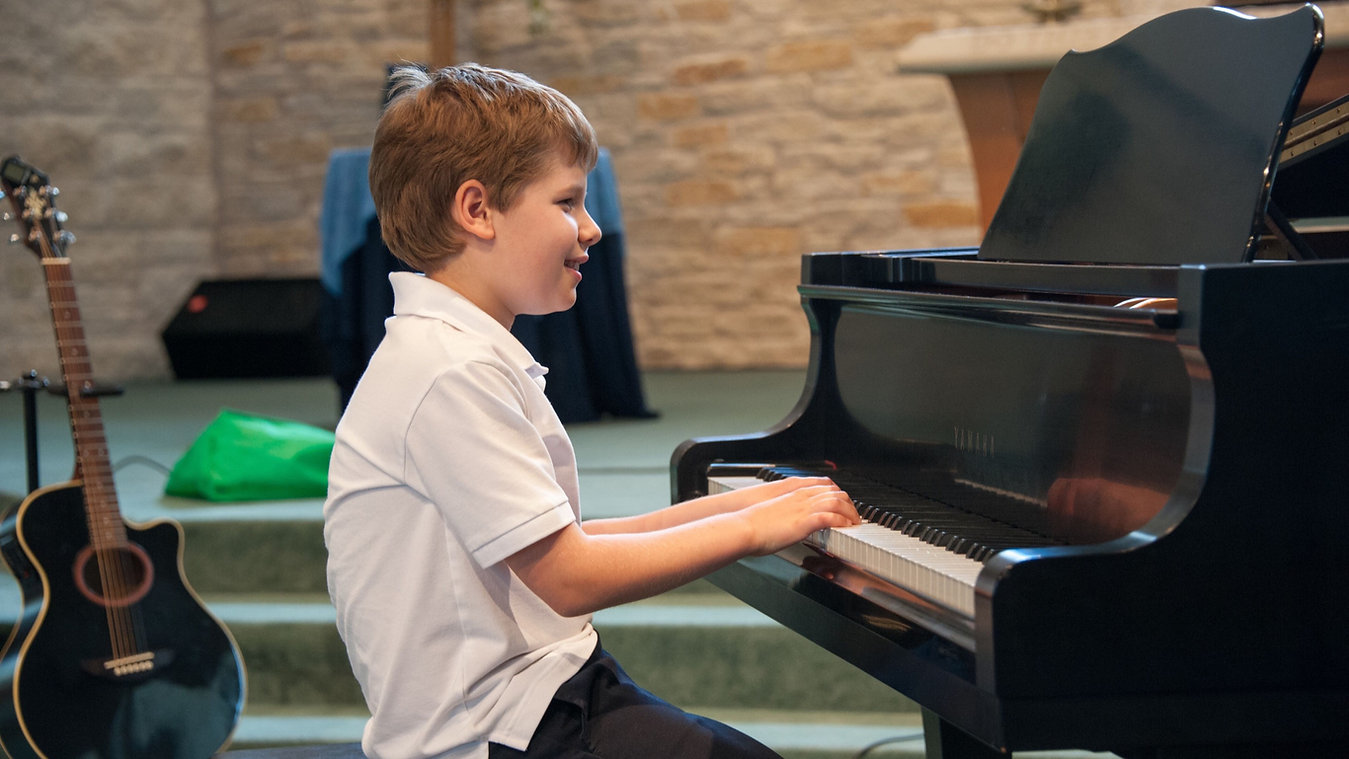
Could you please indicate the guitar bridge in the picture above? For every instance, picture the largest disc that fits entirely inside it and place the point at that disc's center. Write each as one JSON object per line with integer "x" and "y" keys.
{"x": 134, "y": 666}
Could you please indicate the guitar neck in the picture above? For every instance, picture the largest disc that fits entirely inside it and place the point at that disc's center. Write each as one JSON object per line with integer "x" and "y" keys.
{"x": 93, "y": 466}
{"x": 31, "y": 195}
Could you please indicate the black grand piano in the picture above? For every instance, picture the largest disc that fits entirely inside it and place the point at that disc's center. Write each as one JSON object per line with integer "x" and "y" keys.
{"x": 1104, "y": 458}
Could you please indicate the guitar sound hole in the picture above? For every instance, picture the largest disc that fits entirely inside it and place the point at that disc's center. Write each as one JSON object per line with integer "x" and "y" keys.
{"x": 114, "y": 577}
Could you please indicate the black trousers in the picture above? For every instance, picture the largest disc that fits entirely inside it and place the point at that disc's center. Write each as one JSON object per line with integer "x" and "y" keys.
{"x": 601, "y": 713}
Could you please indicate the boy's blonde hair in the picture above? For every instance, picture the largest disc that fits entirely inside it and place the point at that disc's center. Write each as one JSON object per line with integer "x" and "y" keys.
{"x": 442, "y": 128}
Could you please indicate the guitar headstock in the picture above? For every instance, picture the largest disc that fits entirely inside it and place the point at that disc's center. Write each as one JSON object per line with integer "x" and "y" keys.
{"x": 33, "y": 198}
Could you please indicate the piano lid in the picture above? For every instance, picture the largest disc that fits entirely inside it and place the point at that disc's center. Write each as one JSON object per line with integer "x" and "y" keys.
{"x": 1157, "y": 150}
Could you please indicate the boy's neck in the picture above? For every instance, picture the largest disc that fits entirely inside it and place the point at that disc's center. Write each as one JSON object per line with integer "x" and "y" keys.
{"x": 458, "y": 275}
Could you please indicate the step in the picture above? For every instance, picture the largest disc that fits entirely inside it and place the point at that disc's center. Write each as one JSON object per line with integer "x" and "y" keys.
{"x": 807, "y": 734}
{"x": 799, "y": 735}
{"x": 690, "y": 648}
{"x": 696, "y": 647}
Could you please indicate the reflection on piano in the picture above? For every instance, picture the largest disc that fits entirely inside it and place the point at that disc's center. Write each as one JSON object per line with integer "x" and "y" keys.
{"x": 1104, "y": 458}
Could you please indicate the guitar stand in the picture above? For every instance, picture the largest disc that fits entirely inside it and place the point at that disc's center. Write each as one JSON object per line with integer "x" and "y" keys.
{"x": 30, "y": 384}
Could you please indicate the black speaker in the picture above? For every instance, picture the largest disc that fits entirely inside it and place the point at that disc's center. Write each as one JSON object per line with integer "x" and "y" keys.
{"x": 247, "y": 328}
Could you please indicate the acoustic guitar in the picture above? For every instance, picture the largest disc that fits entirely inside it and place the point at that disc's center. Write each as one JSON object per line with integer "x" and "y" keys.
{"x": 113, "y": 655}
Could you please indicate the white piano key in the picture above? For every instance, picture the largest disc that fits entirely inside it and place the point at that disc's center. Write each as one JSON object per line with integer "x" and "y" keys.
{"x": 935, "y": 573}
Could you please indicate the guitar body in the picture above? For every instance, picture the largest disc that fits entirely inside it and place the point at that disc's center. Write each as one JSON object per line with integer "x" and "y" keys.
{"x": 174, "y": 687}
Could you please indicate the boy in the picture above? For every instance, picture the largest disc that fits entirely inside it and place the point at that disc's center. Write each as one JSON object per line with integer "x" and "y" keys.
{"x": 461, "y": 573}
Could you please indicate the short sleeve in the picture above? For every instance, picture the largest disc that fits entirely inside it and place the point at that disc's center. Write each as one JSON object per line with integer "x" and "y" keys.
{"x": 475, "y": 454}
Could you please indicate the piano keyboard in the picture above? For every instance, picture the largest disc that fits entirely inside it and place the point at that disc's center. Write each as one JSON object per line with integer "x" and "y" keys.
{"x": 919, "y": 567}
{"x": 925, "y": 547}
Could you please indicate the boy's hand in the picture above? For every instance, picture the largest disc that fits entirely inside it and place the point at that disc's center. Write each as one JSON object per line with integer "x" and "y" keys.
{"x": 793, "y": 509}
{"x": 741, "y": 498}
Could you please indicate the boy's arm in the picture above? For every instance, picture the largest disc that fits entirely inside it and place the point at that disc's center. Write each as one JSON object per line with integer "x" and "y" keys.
{"x": 697, "y": 508}
{"x": 577, "y": 572}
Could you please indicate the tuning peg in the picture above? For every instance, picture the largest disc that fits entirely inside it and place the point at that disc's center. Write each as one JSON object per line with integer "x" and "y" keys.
{"x": 62, "y": 217}
{"x": 67, "y": 238}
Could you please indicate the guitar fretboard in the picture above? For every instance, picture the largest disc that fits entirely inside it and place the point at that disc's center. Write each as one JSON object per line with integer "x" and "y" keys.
{"x": 93, "y": 467}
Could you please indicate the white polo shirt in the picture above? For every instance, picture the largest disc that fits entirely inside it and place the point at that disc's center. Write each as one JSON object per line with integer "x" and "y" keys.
{"x": 448, "y": 460}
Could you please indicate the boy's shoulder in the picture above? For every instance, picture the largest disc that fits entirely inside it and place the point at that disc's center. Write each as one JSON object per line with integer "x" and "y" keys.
{"x": 438, "y": 338}
{"x": 419, "y": 359}
{"x": 423, "y": 349}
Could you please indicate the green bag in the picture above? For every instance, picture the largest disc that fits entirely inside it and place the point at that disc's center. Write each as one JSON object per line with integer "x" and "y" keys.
{"x": 243, "y": 457}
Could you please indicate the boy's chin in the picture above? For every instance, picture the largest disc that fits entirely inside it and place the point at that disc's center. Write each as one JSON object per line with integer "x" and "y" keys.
{"x": 556, "y": 308}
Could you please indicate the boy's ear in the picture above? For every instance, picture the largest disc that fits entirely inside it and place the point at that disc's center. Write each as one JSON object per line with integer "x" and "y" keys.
{"x": 471, "y": 210}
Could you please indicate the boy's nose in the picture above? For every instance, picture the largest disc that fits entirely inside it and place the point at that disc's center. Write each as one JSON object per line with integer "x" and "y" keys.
{"x": 588, "y": 232}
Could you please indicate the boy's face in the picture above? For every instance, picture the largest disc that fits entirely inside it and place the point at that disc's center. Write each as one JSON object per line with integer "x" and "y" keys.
{"x": 542, "y": 241}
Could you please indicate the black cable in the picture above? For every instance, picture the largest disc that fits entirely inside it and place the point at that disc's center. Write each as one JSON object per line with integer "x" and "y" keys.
{"x": 142, "y": 460}
{"x": 887, "y": 741}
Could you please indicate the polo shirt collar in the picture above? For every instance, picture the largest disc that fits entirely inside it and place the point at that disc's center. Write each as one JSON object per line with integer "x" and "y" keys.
{"x": 419, "y": 295}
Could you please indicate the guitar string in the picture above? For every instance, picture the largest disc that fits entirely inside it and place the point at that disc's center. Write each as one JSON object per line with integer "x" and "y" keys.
{"x": 125, "y": 632}
{"x": 108, "y": 583}
{"x": 93, "y": 495}
{"x": 112, "y": 555}
{"x": 123, "y": 624}
{"x": 124, "y": 567}
{"x": 112, "y": 564}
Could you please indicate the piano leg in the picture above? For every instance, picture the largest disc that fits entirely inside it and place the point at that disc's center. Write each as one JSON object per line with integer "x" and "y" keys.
{"x": 942, "y": 740}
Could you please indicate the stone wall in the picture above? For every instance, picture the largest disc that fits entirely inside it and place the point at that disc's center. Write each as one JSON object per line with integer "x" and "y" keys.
{"x": 190, "y": 138}
{"x": 113, "y": 99}
{"x": 293, "y": 80}
{"x": 745, "y": 134}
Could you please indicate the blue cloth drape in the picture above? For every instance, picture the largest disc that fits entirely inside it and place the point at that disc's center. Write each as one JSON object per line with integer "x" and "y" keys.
{"x": 592, "y": 366}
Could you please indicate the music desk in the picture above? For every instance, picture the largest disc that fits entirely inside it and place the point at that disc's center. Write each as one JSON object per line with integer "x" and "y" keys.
{"x": 996, "y": 74}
